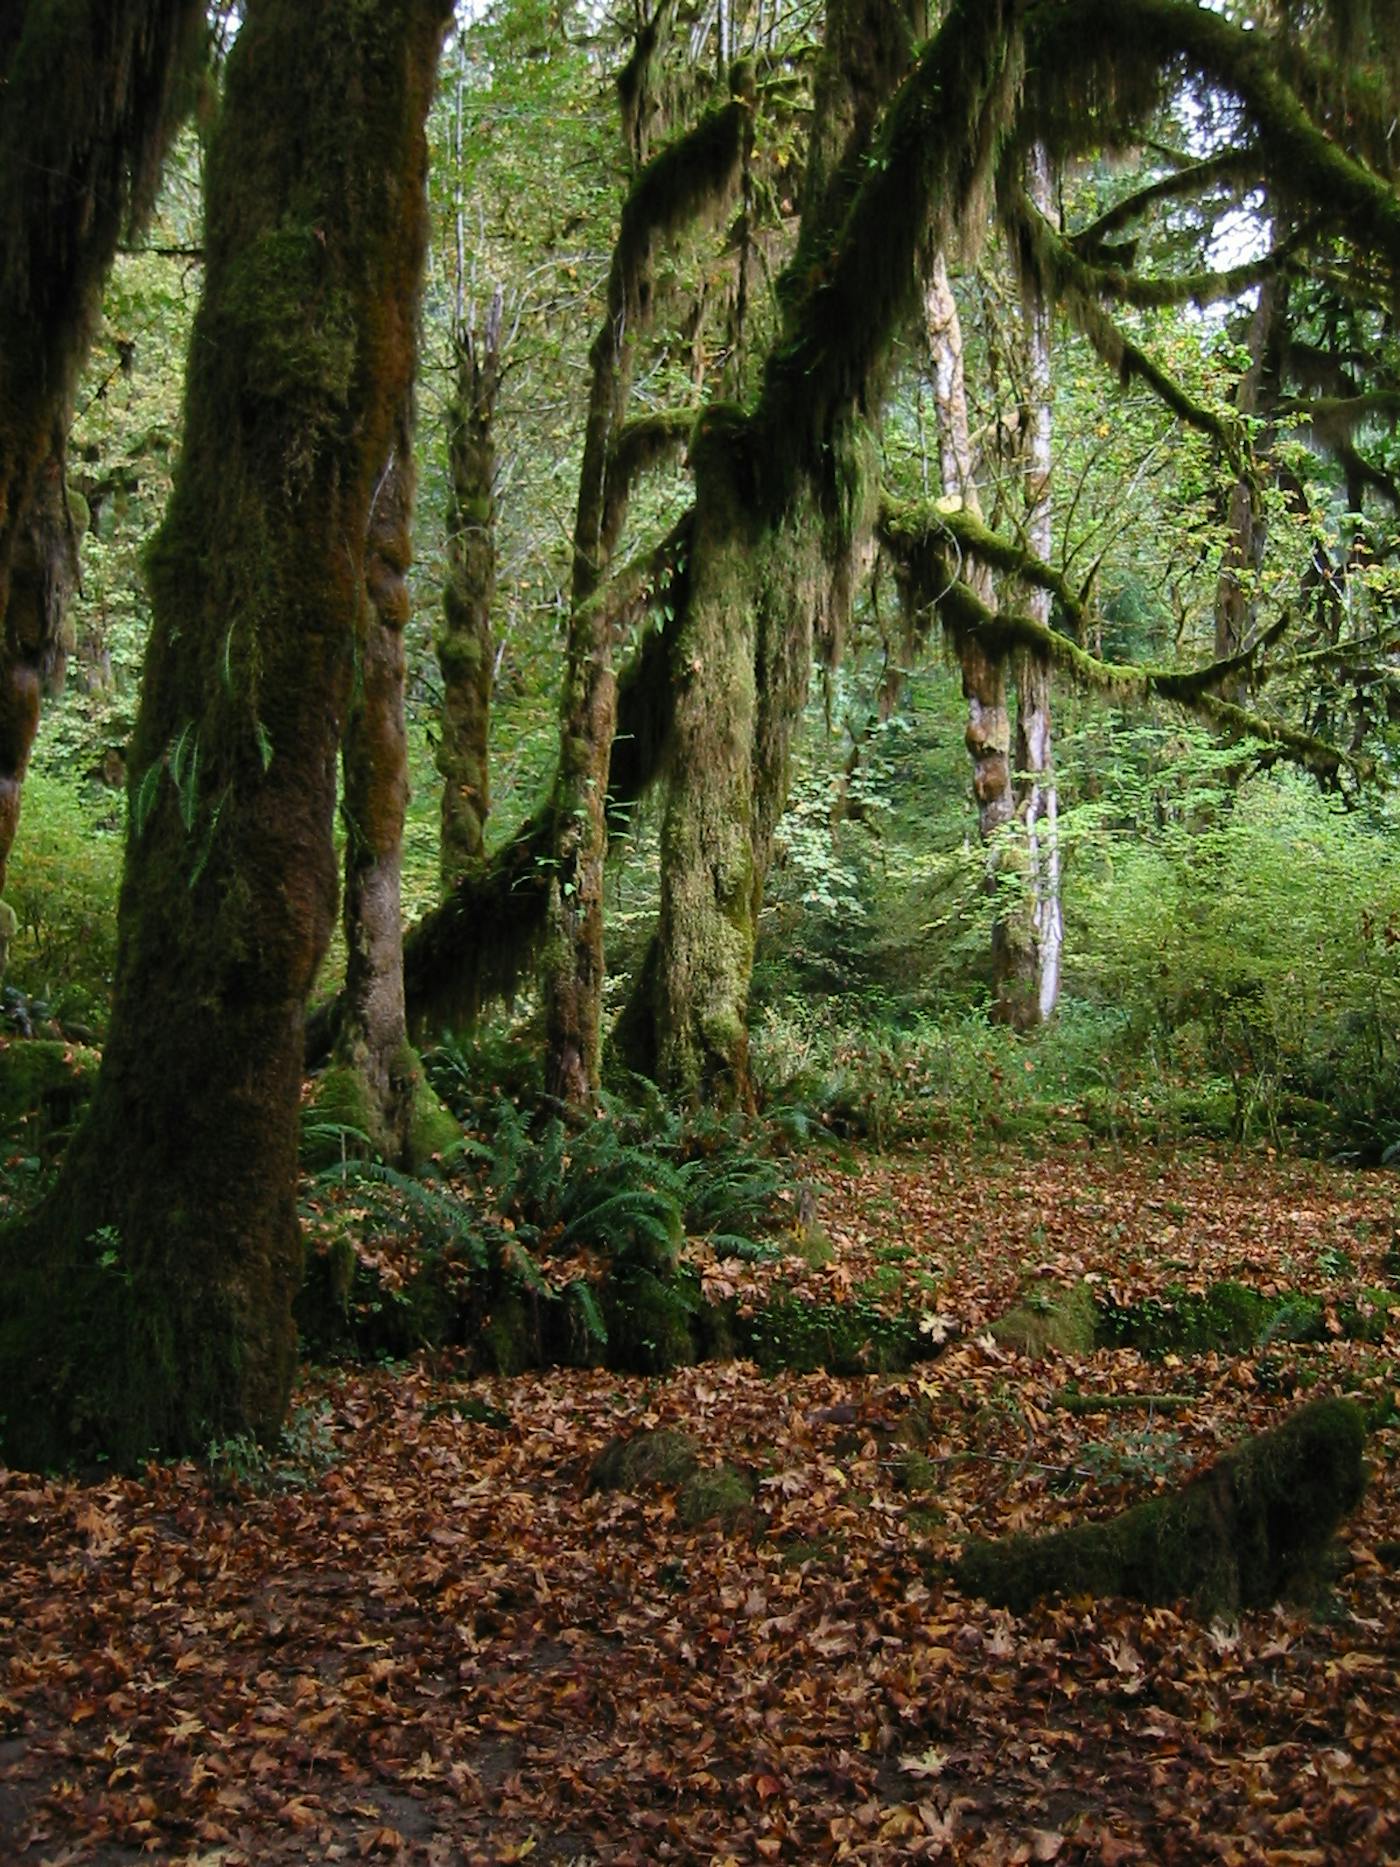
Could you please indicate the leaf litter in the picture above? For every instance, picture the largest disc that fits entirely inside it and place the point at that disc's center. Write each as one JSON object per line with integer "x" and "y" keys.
{"x": 422, "y": 1639}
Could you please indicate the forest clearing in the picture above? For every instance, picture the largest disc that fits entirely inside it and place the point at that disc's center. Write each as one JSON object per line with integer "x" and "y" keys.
{"x": 699, "y": 932}
{"x": 419, "y": 1636}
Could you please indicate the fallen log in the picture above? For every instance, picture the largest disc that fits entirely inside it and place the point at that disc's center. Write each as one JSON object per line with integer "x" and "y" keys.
{"x": 1253, "y": 1528}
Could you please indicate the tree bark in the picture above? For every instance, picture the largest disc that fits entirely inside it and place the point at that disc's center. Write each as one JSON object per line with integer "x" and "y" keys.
{"x": 465, "y": 646}
{"x": 694, "y": 175}
{"x": 147, "y": 1305}
{"x": 1033, "y": 943}
{"x": 89, "y": 95}
{"x": 375, "y": 1083}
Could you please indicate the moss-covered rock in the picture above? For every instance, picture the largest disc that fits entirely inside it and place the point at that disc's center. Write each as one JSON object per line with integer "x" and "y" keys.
{"x": 1253, "y": 1528}
{"x": 648, "y": 1321}
{"x": 433, "y": 1130}
{"x": 716, "y": 1494}
{"x": 643, "y": 1461}
{"x": 1063, "y": 1321}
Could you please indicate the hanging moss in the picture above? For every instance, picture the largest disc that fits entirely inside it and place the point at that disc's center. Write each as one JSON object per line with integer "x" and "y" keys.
{"x": 1253, "y": 1528}
{"x": 928, "y": 543}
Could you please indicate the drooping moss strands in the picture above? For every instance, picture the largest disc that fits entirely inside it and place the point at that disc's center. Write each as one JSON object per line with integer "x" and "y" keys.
{"x": 928, "y": 547}
{"x": 934, "y": 153}
{"x": 780, "y": 495}
{"x": 1076, "y": 43}
{"x": 147, "y": 1305}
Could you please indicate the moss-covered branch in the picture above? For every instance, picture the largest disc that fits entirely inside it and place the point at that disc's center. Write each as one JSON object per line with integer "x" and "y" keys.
{"x": 1075, "y": 42}
{"x": 1059, "y": 273}
{"x": 1063, "y": 270}
{"x": 482, "y": 941}
{"x": 929, "y": 545}
{"x": 1237, "y": 166}
{"x": 1254, "y": 1528}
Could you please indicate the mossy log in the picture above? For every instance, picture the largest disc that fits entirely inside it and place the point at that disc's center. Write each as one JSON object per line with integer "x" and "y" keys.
{"x": 1252, "y": 1529}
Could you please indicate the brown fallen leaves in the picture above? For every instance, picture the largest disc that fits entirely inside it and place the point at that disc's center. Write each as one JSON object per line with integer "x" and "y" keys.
{"x": 437, "y": 1649}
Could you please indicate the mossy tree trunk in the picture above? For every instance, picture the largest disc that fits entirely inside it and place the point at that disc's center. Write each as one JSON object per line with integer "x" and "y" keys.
{"x": 375, "y": 1082}
{"x": 465, "y": 640}
{"x": 693, "y": 176}
{"x": 147, "y": 1305}
{"x": 784, "y": 495}
{"x": 89, "y": 94}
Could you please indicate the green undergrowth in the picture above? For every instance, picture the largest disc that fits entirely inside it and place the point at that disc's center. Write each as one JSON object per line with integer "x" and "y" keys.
{"x": 547, "y": 1243}
{"x": 1225, "y": 1318}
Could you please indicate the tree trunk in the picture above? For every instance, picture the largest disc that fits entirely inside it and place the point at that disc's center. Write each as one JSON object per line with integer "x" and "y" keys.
{"x": 465, "y": 647}
{"x": 988, "y": 736}
{"x": 783, "y": 502}
{"x": 148, "y": 1303}
{"x": 1247, "y": 520}
{"x": 694, "y": 175}
{"x": 1029, "y": 986}
{"x": 375, "y": 1083}
{"x": 88, "y": 99}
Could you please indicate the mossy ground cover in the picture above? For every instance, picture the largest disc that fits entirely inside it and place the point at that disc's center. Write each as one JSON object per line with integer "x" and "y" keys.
{"x": 415, "y": 1633}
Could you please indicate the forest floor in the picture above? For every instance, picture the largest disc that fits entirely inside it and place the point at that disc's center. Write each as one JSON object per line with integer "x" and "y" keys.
{"x": 423, "y": 1639}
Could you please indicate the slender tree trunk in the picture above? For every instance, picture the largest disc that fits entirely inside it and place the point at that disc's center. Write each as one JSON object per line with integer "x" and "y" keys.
{"x": 695, "y": 175}
{"x": 988, "y": 736}
{"x": 87, "y": 104}
{"x": 465, "y": 645}
{"x": 1247, "y": 520}
{"x": 1029, "y": 988}
{"x": 148, "y": 1304}
{"x": 375, "y": 1083}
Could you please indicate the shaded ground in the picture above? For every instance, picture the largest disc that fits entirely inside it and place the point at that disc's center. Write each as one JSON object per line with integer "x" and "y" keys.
{"x": 421, "y": 1640}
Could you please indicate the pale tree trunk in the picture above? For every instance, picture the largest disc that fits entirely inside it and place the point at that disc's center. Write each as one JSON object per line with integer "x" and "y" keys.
{"x": 465, "y": 639}
{"x": 983, "y": 675}
{"x": 1247, "y": 520}
{"x": 147, "y": 1306}
{"x": 1034, "y": 944}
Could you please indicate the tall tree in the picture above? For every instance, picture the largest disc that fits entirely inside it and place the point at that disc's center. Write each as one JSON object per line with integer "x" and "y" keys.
{"x": 693, "y": 176}
{"x": 90, "y": 91}
{"x": 148, "y": 1303}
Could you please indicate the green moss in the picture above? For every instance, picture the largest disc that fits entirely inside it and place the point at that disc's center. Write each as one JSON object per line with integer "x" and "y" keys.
{"x": 1064, "y": 1321}
{"x": 340, "y": 1117}
{"x": 718, "y": 1493}
{"x": 1252, "y": 1529}
{"x": 298, "y": 334}
{"x": 648, "y": 1322}
{"x": 44, "y": 1086}
{"x": 433, "y": 1130}
{"x": 642, "y": 1461}
{"x": 845, "y": 1338}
